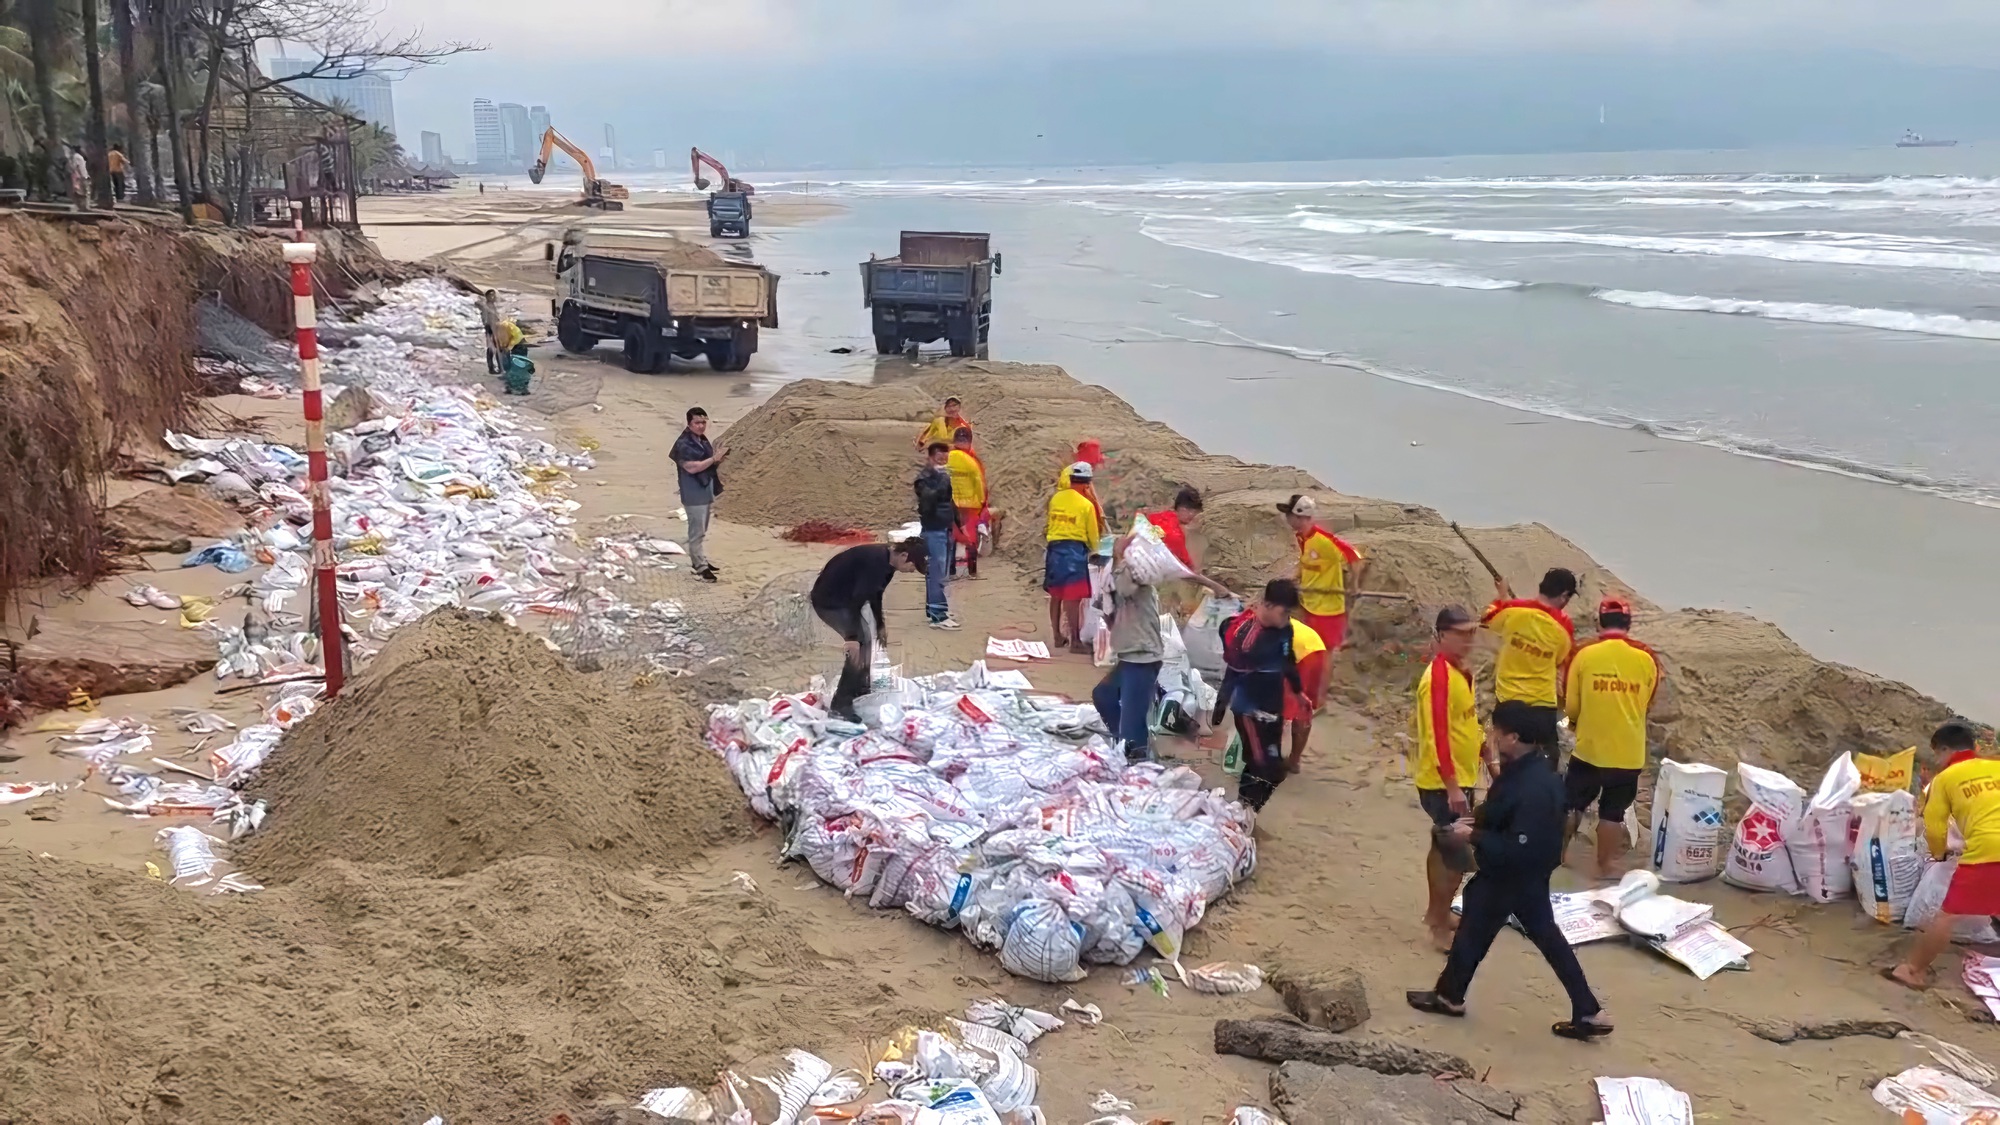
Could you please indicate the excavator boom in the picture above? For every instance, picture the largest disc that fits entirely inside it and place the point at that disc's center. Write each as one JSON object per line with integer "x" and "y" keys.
{"x": 596, "y": 193}
{"x": 729, "y": 183}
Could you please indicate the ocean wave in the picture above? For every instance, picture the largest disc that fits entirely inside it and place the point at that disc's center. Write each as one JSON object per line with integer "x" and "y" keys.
{"x": 1808, "y": 312}
{"x": 1884, "y": 252}
{"x": 1406, "y": 271}
{"x": 1694, "y": 433}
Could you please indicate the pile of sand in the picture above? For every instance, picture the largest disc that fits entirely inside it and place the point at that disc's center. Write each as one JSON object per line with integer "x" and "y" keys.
{"x": 467, "y": 742}
{"x": 674, "y": 253}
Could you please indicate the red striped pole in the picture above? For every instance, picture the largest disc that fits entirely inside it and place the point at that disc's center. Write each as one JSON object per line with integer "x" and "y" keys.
{"x": 300, "y": 255}
{"x": 298, "y": 221}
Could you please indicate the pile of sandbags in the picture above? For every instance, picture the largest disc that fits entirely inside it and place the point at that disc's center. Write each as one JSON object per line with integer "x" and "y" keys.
{"x": 971, "y": 806}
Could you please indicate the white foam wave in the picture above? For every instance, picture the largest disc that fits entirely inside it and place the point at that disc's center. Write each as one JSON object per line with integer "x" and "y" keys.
{"x": 1880, "y": 250}
{"x": 1888, "y": 320}
{"x": 1406, "y": 271}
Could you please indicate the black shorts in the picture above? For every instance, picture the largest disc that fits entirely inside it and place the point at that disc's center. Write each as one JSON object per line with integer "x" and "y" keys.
{"x": 846, "y": 622}
{"x": 1438, "y": 807}
{"x": 1612, "y": 791}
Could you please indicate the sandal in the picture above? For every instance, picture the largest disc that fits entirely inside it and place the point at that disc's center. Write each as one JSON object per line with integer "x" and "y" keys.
{"x": 1434, "y": 1004}
{"x": 1583, "y": 1031}
{"x": 1889, "y": 974}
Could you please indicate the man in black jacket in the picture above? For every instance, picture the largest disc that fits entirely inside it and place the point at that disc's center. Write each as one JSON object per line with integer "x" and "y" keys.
{"x": 1517, "y": 837}
{"x": 938, "y": 516}
{"x": 850, "y": 582}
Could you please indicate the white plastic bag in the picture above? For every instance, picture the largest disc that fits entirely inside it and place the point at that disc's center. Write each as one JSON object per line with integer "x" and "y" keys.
{"x": 1888, "y": 854}
{"x": 1642, "y": 1101}
{"x": 1936, "y": 1098}
{"x": 1928, "y": 899}
{"x": 1202, "y": 635}
{"x": 1150, "y": 559}
{"x": 1042, "y": 943}
{"x": 1759, "y": 858}
{"x": 1823, "y": 844}
{"x": 1687, "y": 821}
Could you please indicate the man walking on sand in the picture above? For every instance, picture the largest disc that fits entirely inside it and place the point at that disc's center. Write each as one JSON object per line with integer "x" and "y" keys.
{"x": 116, "y": 163}
{"x": 945, "y": 426}
{"x": 79, "y": 179}
{"x": 1611, "y": 685}
{"x": 1966, "y": 795}
{"x": 1535, "y": 641}
{"x": 850, "y": 582}
{"x": 1322, "y": 573}
{"x": 1517, "y": 837}
{"x": 1073, "y": 533}
{"x": 938, "y": 517}
{"x": 489, "y": 321}
{"x": 697, "y": 463}
{"x": 1445, "y": 741}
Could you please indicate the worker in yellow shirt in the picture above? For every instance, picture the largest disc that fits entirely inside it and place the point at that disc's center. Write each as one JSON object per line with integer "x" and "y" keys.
{"x": 1610, "y": 689}
{"x": 944, "y": 426}
{"x": 969, "y": 496}
{"x": 1322, "y": 573}
{"x": 1073, "y": 533}
{"x": 1309, "y": 652}
{"x": 1965, "y": 794}
{"x": 1445, "y": 746}
{"x": 1535, "y": 640}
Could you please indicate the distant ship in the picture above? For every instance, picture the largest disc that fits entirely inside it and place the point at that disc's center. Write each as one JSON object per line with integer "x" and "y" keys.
{"x": 1914, "y": 139}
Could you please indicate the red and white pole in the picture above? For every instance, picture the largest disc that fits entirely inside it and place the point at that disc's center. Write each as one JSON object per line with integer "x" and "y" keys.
{"x": 300, "y": 256}
{"x": 298, "y": 221}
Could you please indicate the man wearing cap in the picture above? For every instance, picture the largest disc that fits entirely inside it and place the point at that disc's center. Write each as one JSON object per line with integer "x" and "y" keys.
{"x": 968, "y": 495}
{"x": 942, "y": 428}
{"x": 1535, "y": 641}
{"x": 1074, "y": 530}
{"x": 1445, "y": 743}
{"x": 1322, "y": 575}
{"x": 1611, "y": 685}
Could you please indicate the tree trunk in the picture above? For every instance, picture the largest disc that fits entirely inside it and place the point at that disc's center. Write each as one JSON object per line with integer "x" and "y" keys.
{"x": 164, "y": 40}
{"x": 41, "y": 39}
{"x": 211, "y": 89}
{"x": 93, "y": 73}
{"x": 138, "y": 151}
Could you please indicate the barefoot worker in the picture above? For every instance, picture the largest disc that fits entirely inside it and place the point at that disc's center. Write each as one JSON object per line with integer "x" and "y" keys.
{"x": 1444, "y": 757}
{"x": 850, "y": 582}
{"x": 1074, "y": 531}
{"x": 969, "y": 496}
{"x": 1611, "y": 685}
{"x": 1259, "y": 667}
{"x": 1535, "y": 640}
{"x": 942, "y": 427}
{"x": 938, "y": 517}
{"x": 1322, "y": 573}
{"x": 1517, "y": 838}
{"x": 1965, "y": 794}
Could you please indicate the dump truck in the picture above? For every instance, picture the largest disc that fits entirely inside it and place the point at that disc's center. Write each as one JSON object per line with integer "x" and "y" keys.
{"x": 939, "y": 286}
{"x": 729, "y": 203}
{"x": 660, "y": 297}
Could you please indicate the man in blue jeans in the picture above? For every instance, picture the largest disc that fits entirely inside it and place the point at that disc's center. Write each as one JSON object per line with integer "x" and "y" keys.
{"x": 1124, "y": 698}
{"x": 938, "y": 517}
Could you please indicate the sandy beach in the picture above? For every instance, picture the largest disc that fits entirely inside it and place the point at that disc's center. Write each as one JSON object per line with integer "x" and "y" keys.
{"x": 547, "y": 976}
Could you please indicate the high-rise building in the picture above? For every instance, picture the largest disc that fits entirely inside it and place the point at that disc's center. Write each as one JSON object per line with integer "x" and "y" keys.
{"x": 367, "y": 96}
{"x": 538, "y": 125}
{"x": 514, "y": 128}
{"x": 434, "y": 156}
{"x": 659, "y": 158}
{"x": 489, "y": 143}
{"x": 610, "y": 145}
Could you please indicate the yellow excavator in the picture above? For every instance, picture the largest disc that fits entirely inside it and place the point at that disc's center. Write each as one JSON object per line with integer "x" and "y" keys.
{"x": 596, "y": 193}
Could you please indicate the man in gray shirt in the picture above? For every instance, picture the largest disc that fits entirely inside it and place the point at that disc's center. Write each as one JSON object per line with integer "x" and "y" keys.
{"x": 696, "y": 464}
{"x": 1125, "y": 696}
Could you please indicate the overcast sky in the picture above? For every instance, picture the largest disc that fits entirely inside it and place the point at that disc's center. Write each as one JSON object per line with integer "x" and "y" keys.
{"x": 645, "y": 65}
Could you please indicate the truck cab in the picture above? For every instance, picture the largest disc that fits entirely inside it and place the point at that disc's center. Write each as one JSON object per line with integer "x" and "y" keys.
{"x": 729, "y": 215}
{"x": 939, "y": 286}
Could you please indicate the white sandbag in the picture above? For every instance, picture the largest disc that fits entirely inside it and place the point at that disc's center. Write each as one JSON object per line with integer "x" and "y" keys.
{"x": 1687, "y": 821}
{"x": 1924, "y": 1095}
{"x": 1823, "y": 844}
{"x": 1642, "y": 1101}
{"x": 1928, "y": 899}
{"x": 1759, "y": 859}
{"x": 1149, "y": 558}
{"x": 1042, "y": 943}
{"x": 1202, "y": 635}
{"x": 1888, "y": 854}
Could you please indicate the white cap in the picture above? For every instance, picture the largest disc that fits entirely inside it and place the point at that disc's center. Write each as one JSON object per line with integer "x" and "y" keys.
{"x": 1298, "y": 506}
{"x": 1080, "y": 471}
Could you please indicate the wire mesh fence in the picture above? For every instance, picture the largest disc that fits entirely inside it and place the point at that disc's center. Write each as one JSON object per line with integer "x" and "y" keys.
{"x": 654, "y": 622}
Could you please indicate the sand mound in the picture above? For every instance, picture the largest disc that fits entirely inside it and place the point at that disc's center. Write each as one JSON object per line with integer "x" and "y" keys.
{"x": 531, "y": 987}
{"x": 467, "y": 742}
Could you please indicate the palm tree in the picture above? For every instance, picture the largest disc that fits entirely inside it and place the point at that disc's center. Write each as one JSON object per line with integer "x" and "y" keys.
{"x": 128, "y": 97}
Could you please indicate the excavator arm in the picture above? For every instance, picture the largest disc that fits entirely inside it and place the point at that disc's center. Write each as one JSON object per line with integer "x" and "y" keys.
{"x": 595, "y": 191}
{"x": 697, "y": 158}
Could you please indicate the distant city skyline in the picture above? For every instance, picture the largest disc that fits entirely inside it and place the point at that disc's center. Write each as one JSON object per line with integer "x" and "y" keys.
{"x": 433, "y": 150}
{"x": 371, "y": 96}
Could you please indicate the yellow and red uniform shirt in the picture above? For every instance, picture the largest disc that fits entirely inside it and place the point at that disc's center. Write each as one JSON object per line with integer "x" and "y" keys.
{"x": 943, "y": 429}
{"x": 968, "y": 481}
{"x": 1073, "y": 516}
{"x": 1535, "y": 641}
{"x": 1323, "y": 561}
{"x": 1967, "y": 793}
{"x": 1612, "y": 681}
{"x": 1444, "y": 728}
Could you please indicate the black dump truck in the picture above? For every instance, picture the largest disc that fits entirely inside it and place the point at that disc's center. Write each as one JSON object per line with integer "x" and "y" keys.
{"x": 939, "y": 287}
{"x": 729, "y": 215}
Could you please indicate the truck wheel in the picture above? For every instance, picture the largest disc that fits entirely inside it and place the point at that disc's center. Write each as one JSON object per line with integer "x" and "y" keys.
{"x": 570, "y": 333}
{"x": 963, "y": 345}
{"x": 724, "y": 355}
{"x": 640, "y": 355}
{"x": 714, "y": 231}
{"x": 888, "y": 345}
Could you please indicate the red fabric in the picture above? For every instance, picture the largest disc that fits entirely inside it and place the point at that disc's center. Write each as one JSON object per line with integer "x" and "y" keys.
{"x": 967, "y": 532}
{"x": 1090, "y": 452}
{"x": 1975, "y": 890}
{"x": 1072, "y": 592}
{"x": 1299, "y": 708}
{"x": 1171, "y": 531}
{"x": 1441, "y": 668}
{"x": 1345, "y": 548}
{"x": 1331, "y": 627}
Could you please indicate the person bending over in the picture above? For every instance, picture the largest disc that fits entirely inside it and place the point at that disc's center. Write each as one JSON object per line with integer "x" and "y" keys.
{"x": 853, "y": 581}
{"x": 1259, "y": 667}
{"x": 1965, "y": 794}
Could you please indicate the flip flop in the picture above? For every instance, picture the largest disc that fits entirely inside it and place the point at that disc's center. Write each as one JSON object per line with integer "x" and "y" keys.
{"x": 1583, "y": 1031}
{"x": 1889, "y": 974}
{"x": 1434, "y": 1004}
